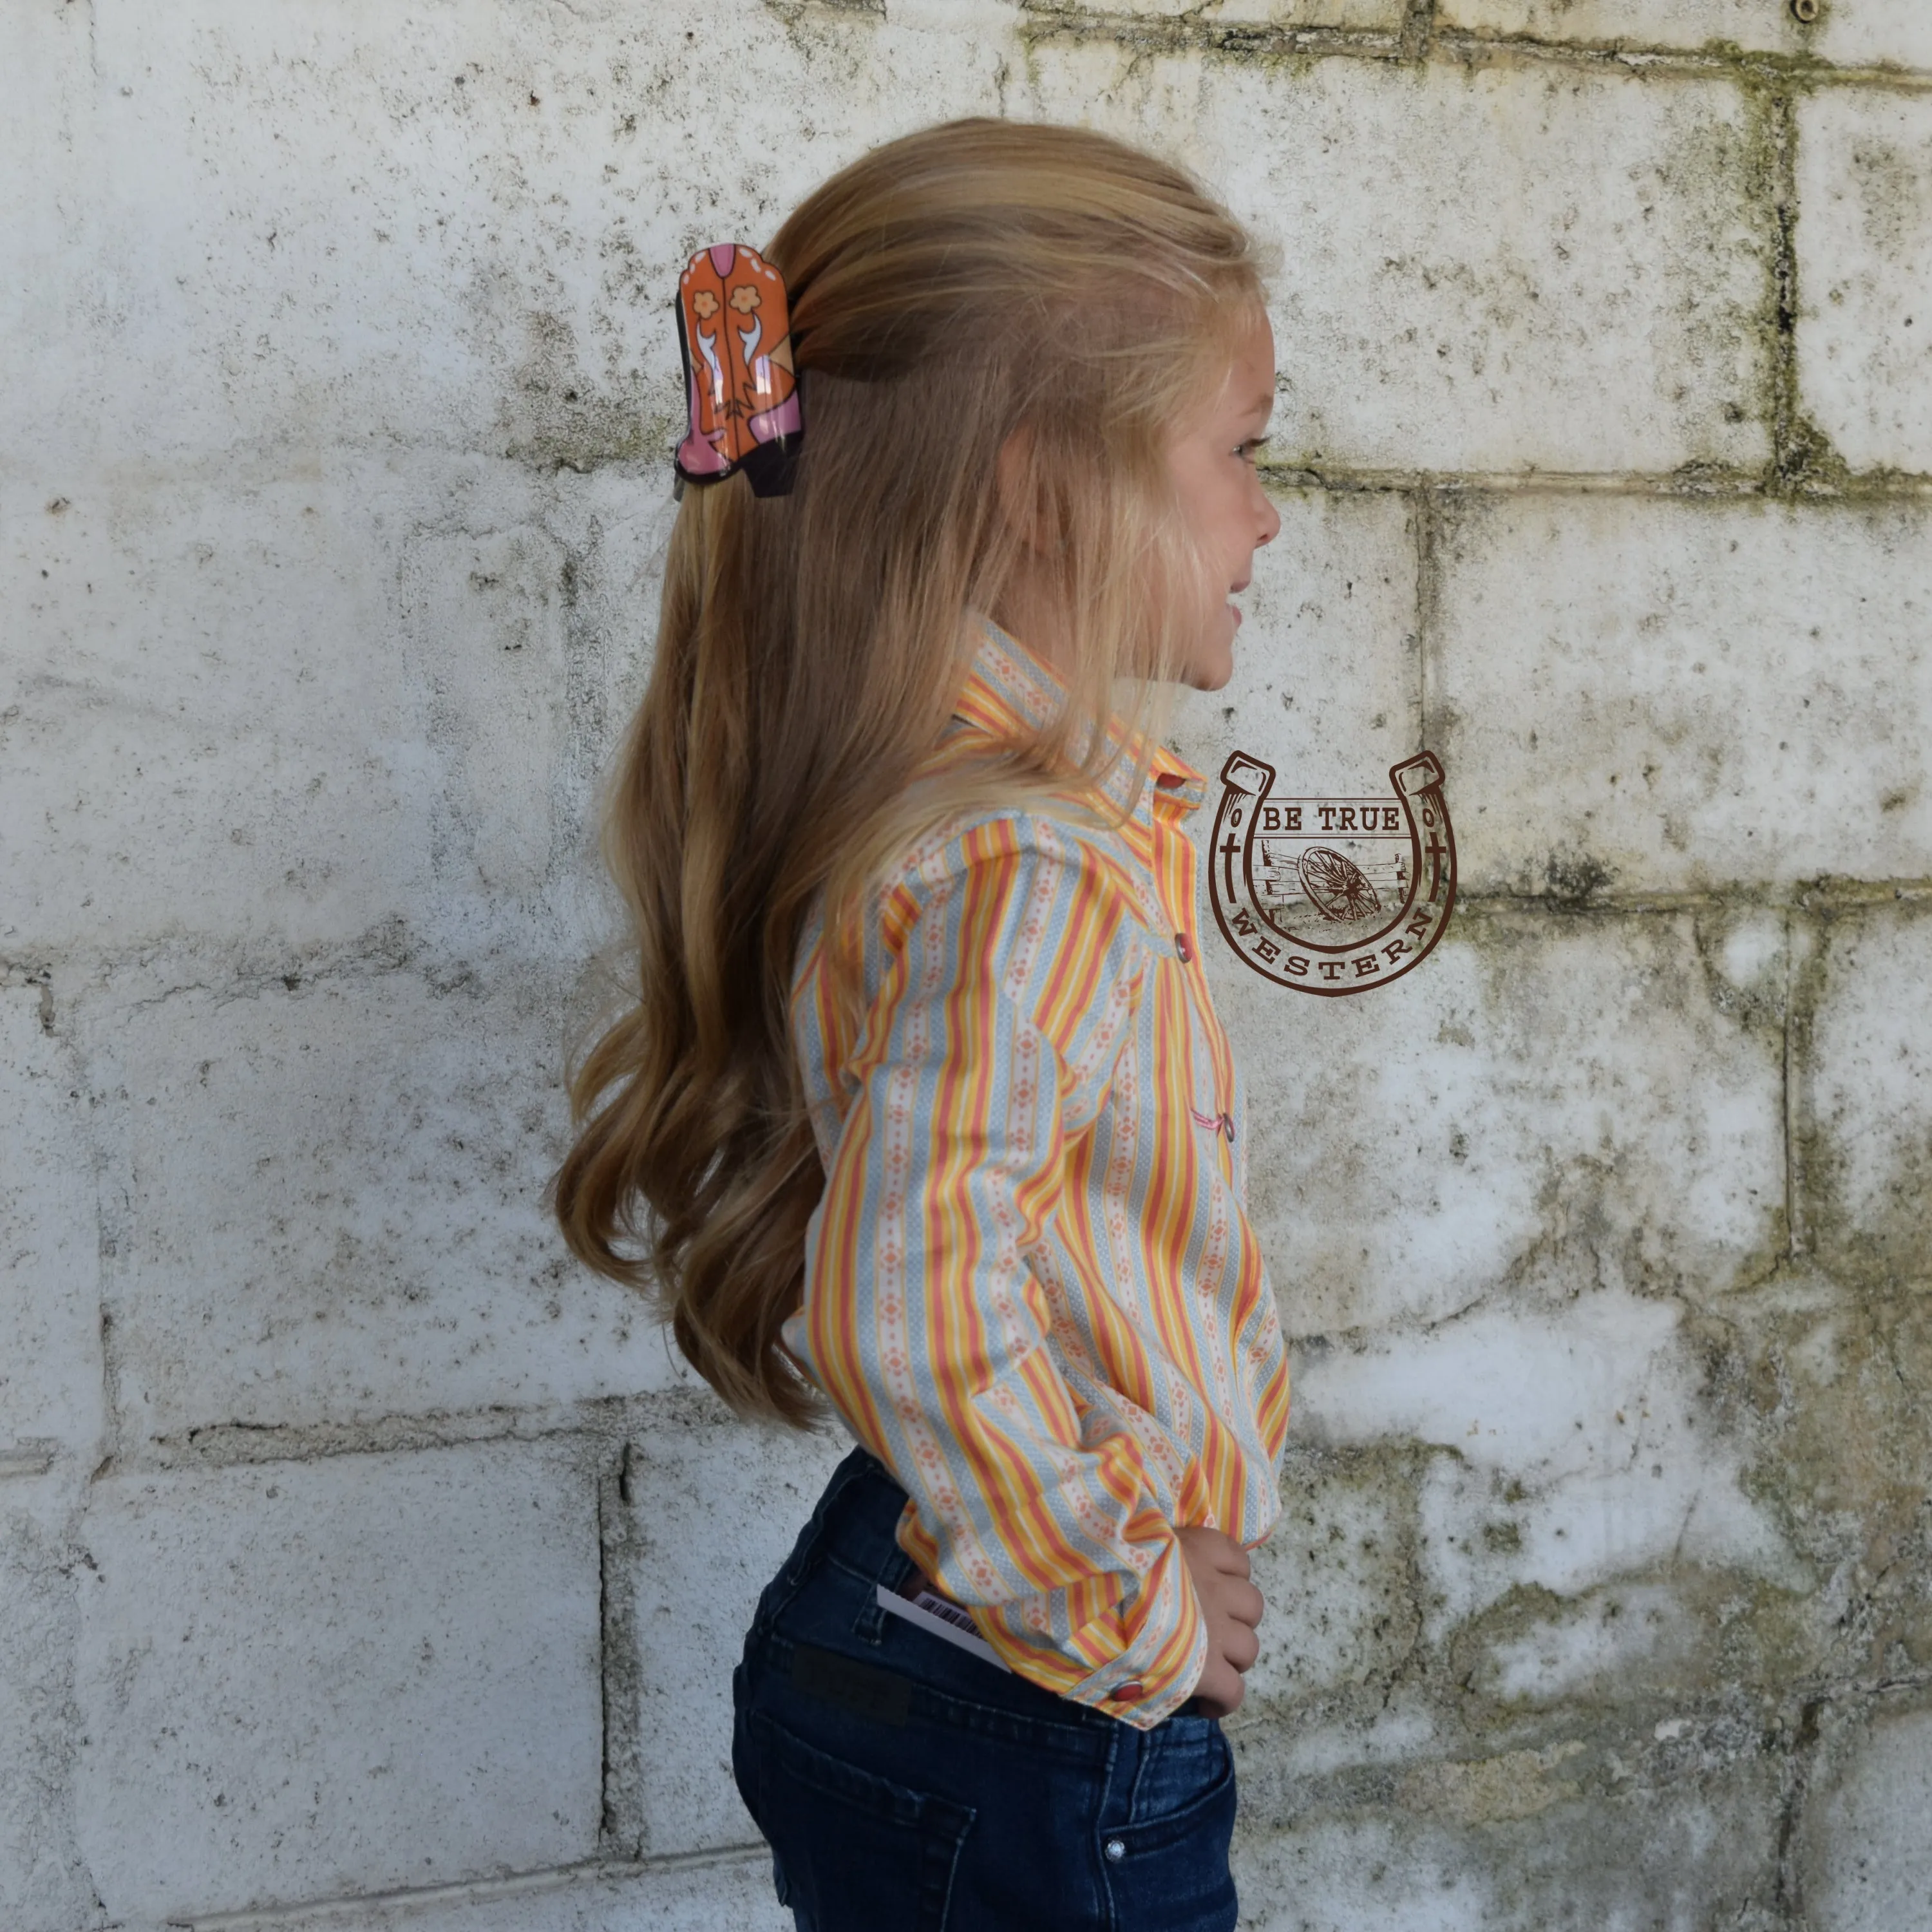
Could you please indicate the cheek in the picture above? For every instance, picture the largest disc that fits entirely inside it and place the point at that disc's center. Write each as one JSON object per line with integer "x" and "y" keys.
{"x": 1234, "y": 516}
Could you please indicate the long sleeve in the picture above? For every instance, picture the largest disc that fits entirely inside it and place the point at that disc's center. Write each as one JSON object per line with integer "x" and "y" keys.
{"x": 1005, "y": 980}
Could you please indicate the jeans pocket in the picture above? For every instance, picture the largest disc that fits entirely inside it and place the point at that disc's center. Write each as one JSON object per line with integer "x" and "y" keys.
{"x": 1168, "y": 1871}
{"x": 860, "y": 1853}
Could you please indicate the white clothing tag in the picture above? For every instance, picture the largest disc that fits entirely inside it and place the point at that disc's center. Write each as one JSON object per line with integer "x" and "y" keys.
{"x": 935, "y": 1616}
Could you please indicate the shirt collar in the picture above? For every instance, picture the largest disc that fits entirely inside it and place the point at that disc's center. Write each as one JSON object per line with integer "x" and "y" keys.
{"x": 1009, "y": 692}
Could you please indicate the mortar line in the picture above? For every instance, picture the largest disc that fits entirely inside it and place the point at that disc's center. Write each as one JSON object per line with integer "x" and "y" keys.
{"x": 1693, "y": 485}
{"x": 1791, "y": 1242}
{"x": 1428, "y": 592}
{"x": 1184, "y": 36}
{"x": 1785, "y": 1877}
{"x": 517, "y": 1884}
{"x": 1460, "y": 46}
{"x": 1750, "y": 64}
{"x": 247, "y": 1445}
{"x": 606, "y": 1829}
{"x": 1794, "y": 1170}
{"x": 625, "y": 1821}
{"x": 1788, "y": 459}
{"x": 1418, "y": 29}
{"x": 1848, "y": 896}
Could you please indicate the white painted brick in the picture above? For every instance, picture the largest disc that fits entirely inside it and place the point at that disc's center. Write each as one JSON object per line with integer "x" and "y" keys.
{"x": 202, "y": 714}
{"x": 52, "y": 278}
{"x": 1327, "y": 678}
{"x": 1864, "y": 274}
{"x": 1612, "y": 1644}
{"x": 1507, "y": 1843}
{"x": 1345, "y": 1876}
{"x": 415, "y": 252}
{"x": 1684, "y": 695}
{"x": 732, "y": 1895}
{"x": 1395, "y": 1725}
{"x": 1593, "y": 308}
{"x": 306, "y": 1680}
{"x": 495, "y": 702}
{"x": 50, "y": 1365}
{"x": 1855, "y": 33}
{"x": 1334, "y": 1574}
{"x": 1874, "y": 33}
{"x": 1868, "y": 1158}
{"x": 1582, "y": 1452}
{"x": 43, "y": 1880}
{"x": 1869, "y": 1857}
{"x": 299, "y": 706}
{"x": 718, "y": 1505}
{"x": 1556, "y": 1105}
{"x": 1759, "y": 24}
{"x": 333, "y": 1200}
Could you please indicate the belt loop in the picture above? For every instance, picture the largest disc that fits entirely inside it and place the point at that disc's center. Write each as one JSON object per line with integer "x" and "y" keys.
{"x": 894, "y": 1566}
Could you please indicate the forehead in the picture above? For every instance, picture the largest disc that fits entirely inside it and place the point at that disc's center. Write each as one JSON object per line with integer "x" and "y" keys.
{"x": 1242, "y": 377}
{"x": 1254, "y": 351}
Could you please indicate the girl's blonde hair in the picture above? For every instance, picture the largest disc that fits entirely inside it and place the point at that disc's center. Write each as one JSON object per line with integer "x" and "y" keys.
{"x": 976, "y": 286}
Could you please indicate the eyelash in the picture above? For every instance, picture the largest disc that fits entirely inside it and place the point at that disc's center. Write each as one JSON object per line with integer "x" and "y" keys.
{"x": 1246, "y": 451}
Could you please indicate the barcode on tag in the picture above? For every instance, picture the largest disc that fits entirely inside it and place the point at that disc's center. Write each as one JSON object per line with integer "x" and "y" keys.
{"x": 938, "y": 1618}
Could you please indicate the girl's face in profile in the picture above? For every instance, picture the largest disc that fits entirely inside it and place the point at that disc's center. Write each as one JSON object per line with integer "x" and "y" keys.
{"x": 1211, "y": 462}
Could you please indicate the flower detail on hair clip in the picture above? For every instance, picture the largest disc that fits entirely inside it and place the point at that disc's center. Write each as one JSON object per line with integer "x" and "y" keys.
{"x": 734, "y": 328}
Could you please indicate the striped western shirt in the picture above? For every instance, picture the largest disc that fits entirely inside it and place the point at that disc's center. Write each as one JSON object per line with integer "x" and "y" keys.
{"x": 1031, "y": 1289}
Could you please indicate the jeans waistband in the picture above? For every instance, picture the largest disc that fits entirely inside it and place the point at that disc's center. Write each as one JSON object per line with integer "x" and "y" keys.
{"x": 848, "y": 1551}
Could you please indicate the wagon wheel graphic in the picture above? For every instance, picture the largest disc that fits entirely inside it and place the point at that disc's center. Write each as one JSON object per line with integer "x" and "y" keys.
{"x": 1336, "y": 886}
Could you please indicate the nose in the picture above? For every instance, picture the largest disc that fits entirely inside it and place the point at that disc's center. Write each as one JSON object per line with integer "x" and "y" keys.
{"x": 1267, "y": 524}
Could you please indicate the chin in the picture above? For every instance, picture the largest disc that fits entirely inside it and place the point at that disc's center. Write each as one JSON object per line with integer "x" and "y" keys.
{"x": 1210, "y": 667}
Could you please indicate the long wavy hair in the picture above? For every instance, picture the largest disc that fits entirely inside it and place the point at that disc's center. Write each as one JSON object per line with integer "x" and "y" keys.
{"x": 976, "y": 287}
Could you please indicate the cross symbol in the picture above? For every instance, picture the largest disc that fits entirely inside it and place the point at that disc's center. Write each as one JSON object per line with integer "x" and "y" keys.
{"x": 1230, "y": 849}
{"x": 1438, "y": 851}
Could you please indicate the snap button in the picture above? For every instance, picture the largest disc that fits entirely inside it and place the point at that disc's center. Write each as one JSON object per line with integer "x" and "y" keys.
{"x": 1116, "y": 1849}
{"x": 1127, "y": 1692}
{"x": 1181, "y": 947}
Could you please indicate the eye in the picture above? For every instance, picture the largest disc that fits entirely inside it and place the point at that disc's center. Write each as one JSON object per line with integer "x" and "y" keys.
{"x": 1247, "y": 451}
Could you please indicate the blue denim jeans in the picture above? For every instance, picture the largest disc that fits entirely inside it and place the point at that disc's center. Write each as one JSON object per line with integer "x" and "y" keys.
{"x": 906, "y": 1786}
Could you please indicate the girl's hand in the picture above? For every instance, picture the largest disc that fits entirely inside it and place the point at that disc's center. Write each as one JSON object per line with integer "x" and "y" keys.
{"x": 1232, "y": 1606}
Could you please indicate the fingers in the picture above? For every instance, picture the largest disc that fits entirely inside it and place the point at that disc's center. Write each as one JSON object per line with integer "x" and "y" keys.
{"x": 1220, "y": 1567}
{"x": 1232, "y": 1607}
{"x": 1239, "y": 1645}
{"x": 1220, "y": 1688}
{"x": 1219, "y": 1550}
{"x": 1242, "y": 1601}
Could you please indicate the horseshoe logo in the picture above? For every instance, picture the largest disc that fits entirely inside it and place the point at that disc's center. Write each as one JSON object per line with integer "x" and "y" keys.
{"x": 1332, "y": 895}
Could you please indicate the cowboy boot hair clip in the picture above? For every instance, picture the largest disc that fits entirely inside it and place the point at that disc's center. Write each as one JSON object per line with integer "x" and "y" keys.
{"x": 734, "y": 329}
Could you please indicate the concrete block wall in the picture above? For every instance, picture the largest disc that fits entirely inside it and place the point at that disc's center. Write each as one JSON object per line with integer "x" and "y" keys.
{"x": 362, "y": 1563}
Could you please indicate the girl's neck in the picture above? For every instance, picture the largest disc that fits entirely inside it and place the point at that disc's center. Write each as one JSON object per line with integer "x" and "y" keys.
{"x": 1030, "y": 611}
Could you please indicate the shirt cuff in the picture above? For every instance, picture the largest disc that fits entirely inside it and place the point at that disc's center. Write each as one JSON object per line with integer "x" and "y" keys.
{"x": 1155, "y": 1674}
{"x": 1158, "y": 1649}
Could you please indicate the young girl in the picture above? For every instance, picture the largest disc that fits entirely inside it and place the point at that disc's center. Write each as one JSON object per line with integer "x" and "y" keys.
{"x": 923, "y": 1110}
